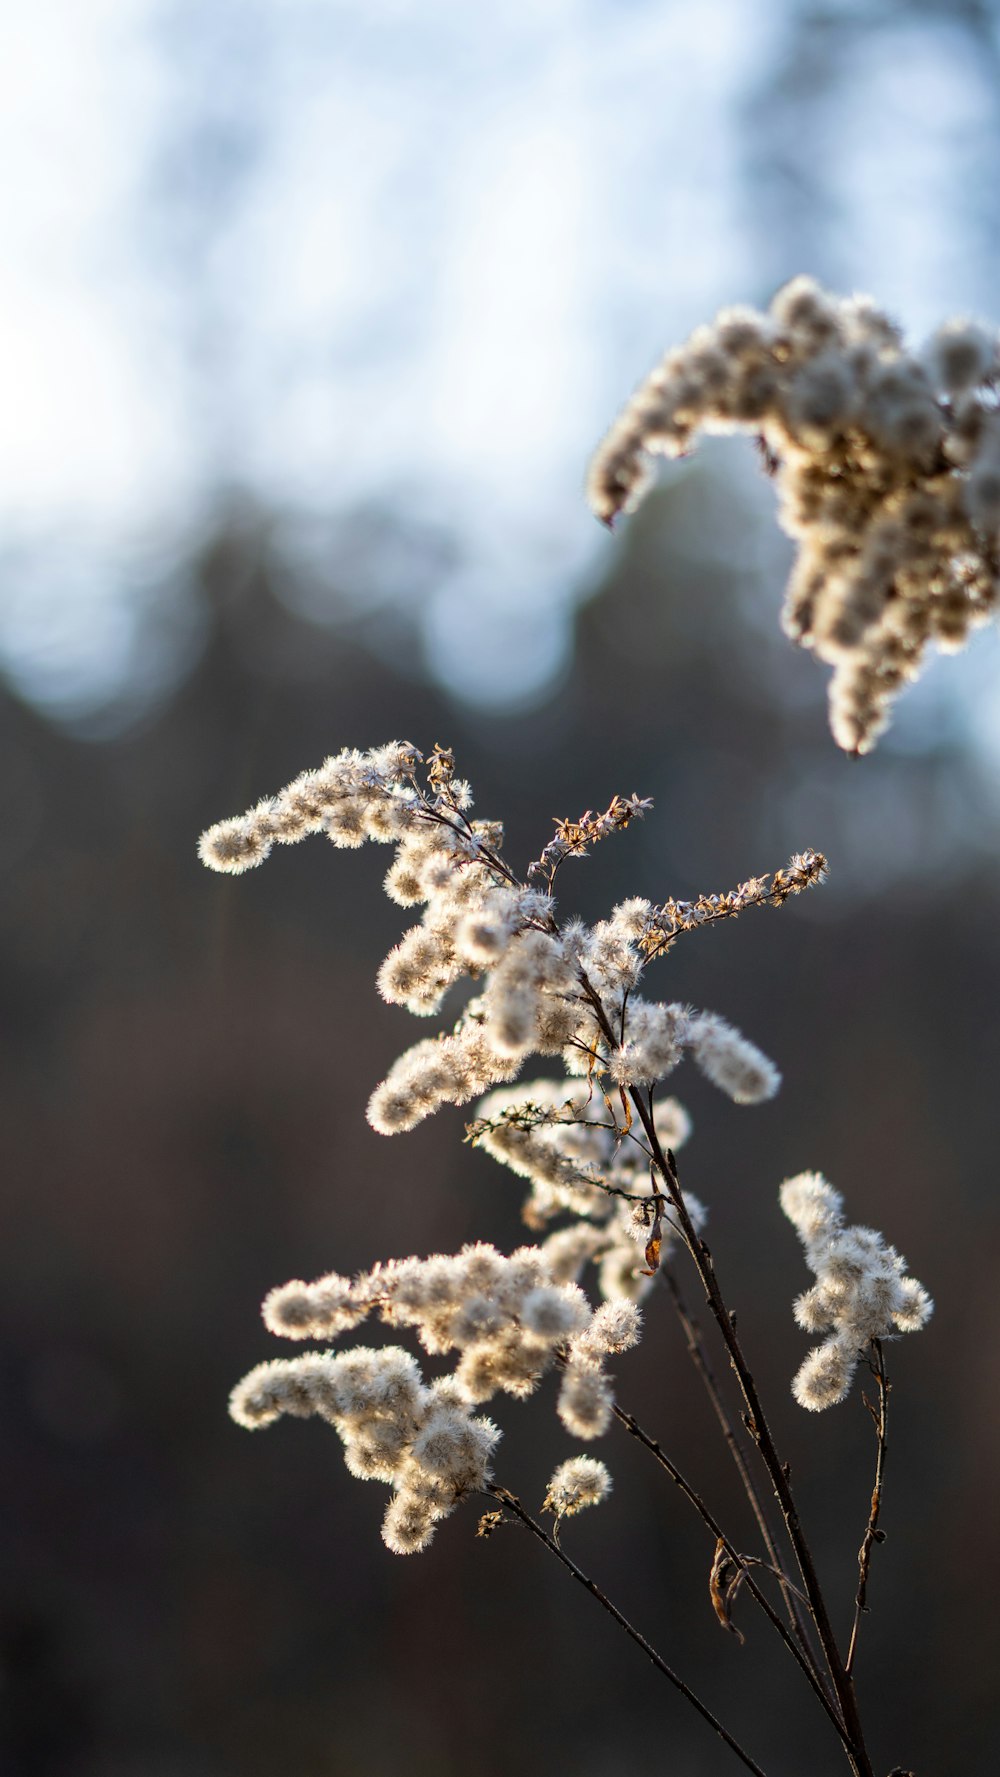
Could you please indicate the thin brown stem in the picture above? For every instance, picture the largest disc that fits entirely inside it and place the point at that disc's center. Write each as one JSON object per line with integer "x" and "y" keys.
{"x": 760, "y": 1431}
{"x": 513, "y": 1504}
{"x": 493, "y": 858}
{"x": 700, "y": 1359}
{"x": 755, "y": 1418}
{"x": 757, "y": 1424}
{"x": 760, "y": 1597}
{"x": 872, "y": 1534}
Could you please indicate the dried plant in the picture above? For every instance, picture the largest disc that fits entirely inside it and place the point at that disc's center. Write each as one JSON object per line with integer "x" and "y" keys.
{"x": 597, "y": 1148}
{"x": 887, "y": 465}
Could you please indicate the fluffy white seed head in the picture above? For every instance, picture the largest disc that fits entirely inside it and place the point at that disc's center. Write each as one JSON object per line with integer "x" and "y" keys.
{"x": 654, "y": 1043}
{"x": 861, "y": 1293}
{"x": 268, "y": 1391}
{"x": 585, "y": 1401}
{"x": 812, "y": 1206}
{"x": 732, "y": 1063}
{"x": 508, "y": 1319}
{"x": 318, "y": 1310}
{"x": 580, "y": 1482}
{"x": 913, "y": 1307}
{"x": 555, "y": 1312}
{"x": 408, "y": 1525}
{"x": 615, "y": 1326}
{"x": 825, "y": 1376}
{"x": 813, "y": 1309}
{"x": 960, "y": 355}
{"x": 456, "y": 1449}
{"x": 236, "y": 845}
{"x": 856, "y": 425}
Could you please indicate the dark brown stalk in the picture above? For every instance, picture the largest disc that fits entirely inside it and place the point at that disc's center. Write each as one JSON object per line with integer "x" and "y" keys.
{"x": 514, "y": 1505}
{"x": 710, "y": 1521}
{"x": 699, "y": 1357}
{"x": 757, "y": 1424}
{"x": 872, "y": 1534}
{"x": 760, "y": 1431}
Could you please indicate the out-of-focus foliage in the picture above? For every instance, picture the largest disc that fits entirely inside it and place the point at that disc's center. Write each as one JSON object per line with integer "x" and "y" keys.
{"x": 345, "y": 256}
{"x": 178, "y": 1135}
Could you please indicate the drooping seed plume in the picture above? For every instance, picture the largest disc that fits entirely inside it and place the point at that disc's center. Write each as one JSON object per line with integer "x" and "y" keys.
{"x": 862, "y": 1291}
{"x": 887, "y": 466}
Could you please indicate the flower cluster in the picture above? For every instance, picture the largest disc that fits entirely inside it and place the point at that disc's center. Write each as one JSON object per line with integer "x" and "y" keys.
{"x": 568, "y": 991}
{"x": 505, "y": 1316}
{"x": 545, "y": 991}
{"x": 422, "y": 1439}
{"x": 888, "y": 472}
{"x": 861, "y": 1291}
{"x": 351, "y": 797}
{"x": 508, "y": 1318}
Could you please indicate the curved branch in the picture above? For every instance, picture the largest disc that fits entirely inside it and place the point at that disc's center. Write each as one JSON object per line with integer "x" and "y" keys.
{"x": 514, "y": 1505}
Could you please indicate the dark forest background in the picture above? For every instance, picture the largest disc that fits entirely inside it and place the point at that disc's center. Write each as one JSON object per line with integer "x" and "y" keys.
{"x": 185, "y": 1060}
{"x": 185, "y": 1066}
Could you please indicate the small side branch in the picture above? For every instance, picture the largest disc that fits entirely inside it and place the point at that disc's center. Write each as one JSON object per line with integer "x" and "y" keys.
{"x": 872, "y": 1534}
{"x": 740, "y": 1562}
{"x": 666, "y": 923}
{"x": 700, "y": 1359}
{"x": 513, "y": 1504}
{"x": 761, "y": 1433}
{"x": 756, "y": 1420}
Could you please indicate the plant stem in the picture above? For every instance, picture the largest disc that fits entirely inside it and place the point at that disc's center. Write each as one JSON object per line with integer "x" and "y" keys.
{"x": 760, "y": 1431}
{"x": 708, "y": 1518}
{"x": 514, "y": 1505}
{"x": 757, "y": 1424}
{"x": 700, "y": 1359}
{"x": 872, "y": 1533}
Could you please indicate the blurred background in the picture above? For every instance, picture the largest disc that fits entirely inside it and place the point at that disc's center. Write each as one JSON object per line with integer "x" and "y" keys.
{"x": 310, "y": 314}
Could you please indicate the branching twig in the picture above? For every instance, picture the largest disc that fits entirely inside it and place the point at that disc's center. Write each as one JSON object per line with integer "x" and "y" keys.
{"x": 700, "y": 1359}
{"x": 757, "y": 1423}
{"x": 777, "y": 1470}
{"x": 513, "y": 1504}
{"x": 760, "y": 1597}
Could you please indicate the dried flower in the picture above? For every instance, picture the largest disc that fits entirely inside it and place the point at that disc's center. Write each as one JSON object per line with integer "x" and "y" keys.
{"x": 861, "y": 1291}
{"x": 545, "y": 989}
{"x": 569, "y": 991}
{"x": 580, "y": 1482}
{"x": 424, "y": 1442}
{"x": 585, "y": 1400}
{"x": 730, "y": 1062}
{"x": 507, "y": 1317}
{"x": 887, "y": 468}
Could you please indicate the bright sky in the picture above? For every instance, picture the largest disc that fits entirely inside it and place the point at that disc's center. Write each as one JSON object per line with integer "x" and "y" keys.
{"x": 340, "y": 252}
